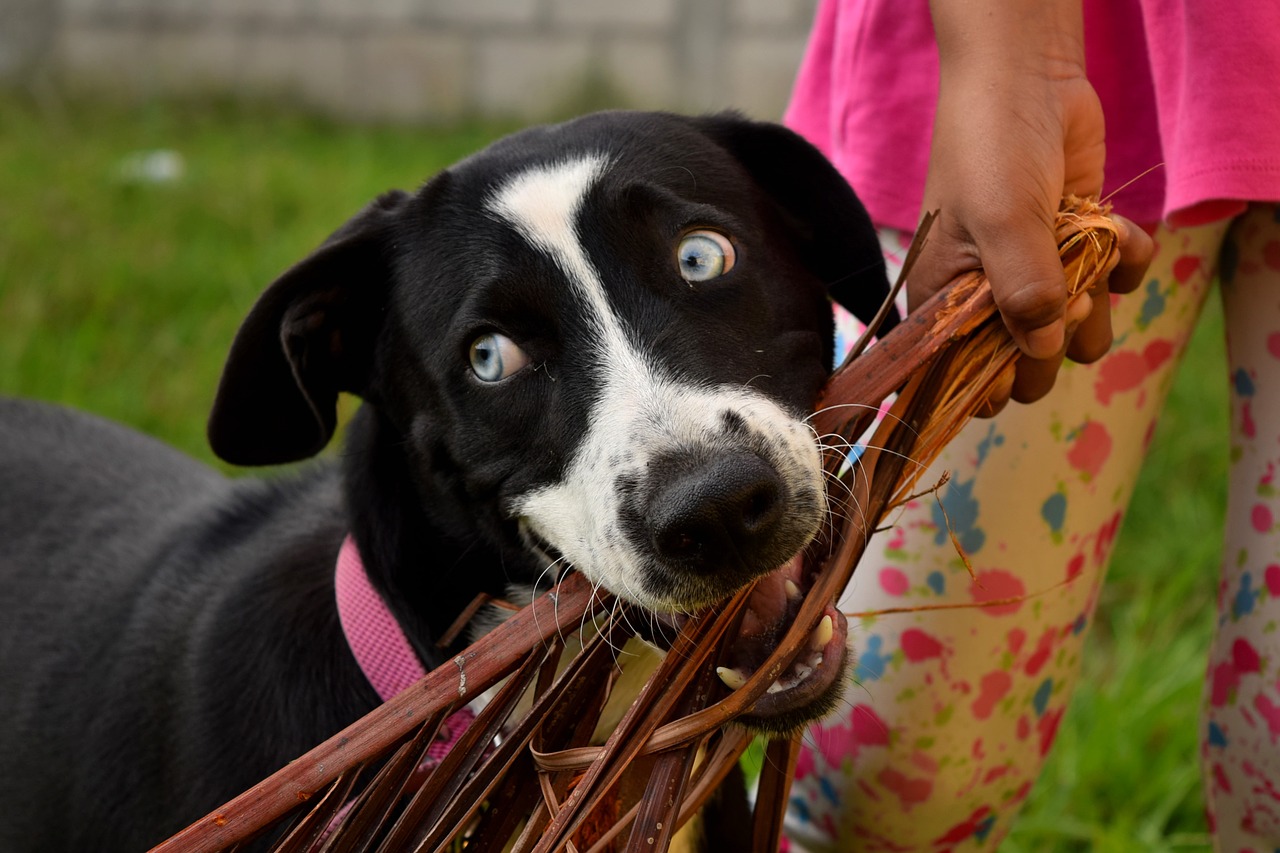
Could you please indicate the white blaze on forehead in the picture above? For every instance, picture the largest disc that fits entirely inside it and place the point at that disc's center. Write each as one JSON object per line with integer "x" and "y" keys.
{"x": 542, "y": 203}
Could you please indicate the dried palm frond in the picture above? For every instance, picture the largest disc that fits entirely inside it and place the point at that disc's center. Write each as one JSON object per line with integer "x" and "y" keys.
{"x": 536, "y": 782}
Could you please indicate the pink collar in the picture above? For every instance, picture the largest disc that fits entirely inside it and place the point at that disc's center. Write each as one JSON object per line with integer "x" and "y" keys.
{"x": 374, "y": 635}
{"x": 380, "y": 646}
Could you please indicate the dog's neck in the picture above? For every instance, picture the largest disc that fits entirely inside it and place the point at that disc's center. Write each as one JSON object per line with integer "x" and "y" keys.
{"x": 427, "y": 568}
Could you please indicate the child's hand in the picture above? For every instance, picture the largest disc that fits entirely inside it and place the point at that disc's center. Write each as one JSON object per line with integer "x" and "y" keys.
{"x": 1018, "y": 126}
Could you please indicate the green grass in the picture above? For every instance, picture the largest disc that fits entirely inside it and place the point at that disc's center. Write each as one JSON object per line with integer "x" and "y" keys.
{"x": 121, "y": 297}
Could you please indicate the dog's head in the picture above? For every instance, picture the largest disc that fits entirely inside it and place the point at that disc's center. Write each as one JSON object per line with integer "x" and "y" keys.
{"x": 602, "y": 337}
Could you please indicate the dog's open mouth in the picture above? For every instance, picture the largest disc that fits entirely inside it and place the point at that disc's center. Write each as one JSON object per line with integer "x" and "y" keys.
{"x": 806, "y": 688}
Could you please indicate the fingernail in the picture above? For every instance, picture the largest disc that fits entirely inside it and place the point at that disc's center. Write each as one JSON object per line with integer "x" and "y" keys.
{"x": 1045, "y": 341}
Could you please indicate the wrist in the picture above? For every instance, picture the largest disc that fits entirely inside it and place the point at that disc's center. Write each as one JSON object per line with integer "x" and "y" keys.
{"x": 996, "y": 40}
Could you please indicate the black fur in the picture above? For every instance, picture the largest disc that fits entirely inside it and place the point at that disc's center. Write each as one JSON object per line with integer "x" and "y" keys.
{"x": 168, "y": 636}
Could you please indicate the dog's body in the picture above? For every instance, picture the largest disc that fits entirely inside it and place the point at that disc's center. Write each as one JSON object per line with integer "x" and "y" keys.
{"x": 158, "y": 620}
{"x": 595, "y": 341}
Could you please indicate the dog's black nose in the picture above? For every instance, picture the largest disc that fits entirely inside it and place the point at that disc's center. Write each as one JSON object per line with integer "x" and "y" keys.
{"x": 710, "y": 515}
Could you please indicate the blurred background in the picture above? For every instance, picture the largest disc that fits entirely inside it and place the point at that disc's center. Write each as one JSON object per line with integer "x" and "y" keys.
{"x": 161, "y": 161}
{"x": 417, "y": 60}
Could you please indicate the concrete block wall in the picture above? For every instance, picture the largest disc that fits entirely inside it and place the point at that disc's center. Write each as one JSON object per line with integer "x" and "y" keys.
{"x": 424, "y": 60}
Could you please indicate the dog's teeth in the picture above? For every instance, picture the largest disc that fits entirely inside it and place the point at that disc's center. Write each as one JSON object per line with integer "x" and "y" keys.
{"x": 822, "y": 634}
{"x": 793, "y": 591}
{"x": 732, "y": 678}
{"x": 776, "y": 687}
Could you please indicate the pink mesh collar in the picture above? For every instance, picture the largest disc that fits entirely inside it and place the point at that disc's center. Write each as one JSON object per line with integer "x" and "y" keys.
{"x": 384, "y": 654}
{"x": 375, "y": 638}
{"x": 380, "y": 647}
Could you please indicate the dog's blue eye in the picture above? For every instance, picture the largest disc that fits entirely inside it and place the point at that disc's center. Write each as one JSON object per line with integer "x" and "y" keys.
{"x": 704, "y": 255}
{"x": 495, "y": 357}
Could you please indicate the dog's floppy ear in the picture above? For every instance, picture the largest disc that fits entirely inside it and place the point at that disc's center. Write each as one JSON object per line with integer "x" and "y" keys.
{"x": 309, "y": 336}
{"x": 836, "y": 238}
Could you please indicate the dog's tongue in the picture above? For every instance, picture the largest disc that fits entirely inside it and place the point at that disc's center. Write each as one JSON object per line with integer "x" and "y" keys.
{"x": 771, "y": 609}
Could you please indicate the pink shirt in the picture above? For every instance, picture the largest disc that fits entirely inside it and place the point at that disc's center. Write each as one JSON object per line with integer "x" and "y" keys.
{"x": 1192, "y": 84}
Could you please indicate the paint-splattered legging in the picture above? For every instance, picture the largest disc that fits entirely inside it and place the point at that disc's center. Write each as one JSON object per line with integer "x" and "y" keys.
{"x": 954, "y": 710}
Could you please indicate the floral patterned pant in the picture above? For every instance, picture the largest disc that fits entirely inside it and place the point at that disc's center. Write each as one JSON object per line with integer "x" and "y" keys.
{"x": 954, "y": 710}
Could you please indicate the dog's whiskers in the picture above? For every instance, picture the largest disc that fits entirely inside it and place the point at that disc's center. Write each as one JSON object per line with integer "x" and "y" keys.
{"x": 833, "y": 406}
{"x": 605, "y": 630}
{"x": 550, "y": 567}
{"x": 832, "y": 479}
{"x": 624, "y": 613}
{"x": 886, "y": 413}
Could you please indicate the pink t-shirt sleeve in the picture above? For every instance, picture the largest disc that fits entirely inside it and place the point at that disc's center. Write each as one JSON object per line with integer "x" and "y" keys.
{"x": 1216, "y": 65}
{"x": 809, "y": 110}
{"x": 1117, "y": 65}
{"x": 1188, "y": 89}
{"x": 865, "y": 96}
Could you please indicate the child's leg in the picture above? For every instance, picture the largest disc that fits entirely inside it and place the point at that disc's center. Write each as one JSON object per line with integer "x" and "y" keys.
{"x": 953, "y": 710}
{"x": 1241, "y": 750}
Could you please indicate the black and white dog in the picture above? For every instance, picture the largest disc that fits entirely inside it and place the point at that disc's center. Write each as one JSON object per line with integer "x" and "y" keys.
{"x": 593, "y": 343}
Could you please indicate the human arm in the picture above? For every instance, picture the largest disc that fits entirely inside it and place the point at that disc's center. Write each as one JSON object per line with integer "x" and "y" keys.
{"x": 1018, "y": 125}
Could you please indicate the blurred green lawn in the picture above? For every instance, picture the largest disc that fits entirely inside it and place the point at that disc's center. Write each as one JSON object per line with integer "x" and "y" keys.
{"x": 120, "y": 296}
